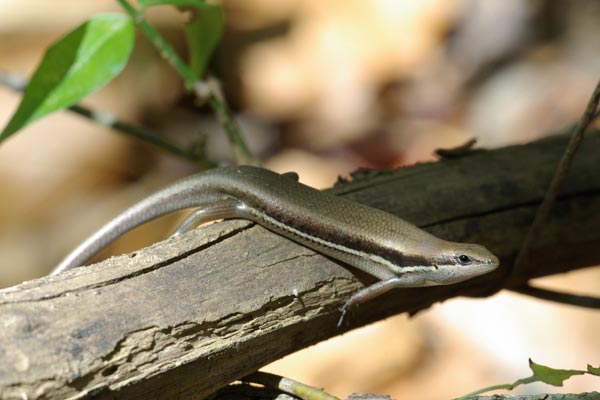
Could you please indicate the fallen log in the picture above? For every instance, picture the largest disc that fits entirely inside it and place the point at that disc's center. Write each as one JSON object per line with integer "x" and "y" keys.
{"x": 188, "y": 315}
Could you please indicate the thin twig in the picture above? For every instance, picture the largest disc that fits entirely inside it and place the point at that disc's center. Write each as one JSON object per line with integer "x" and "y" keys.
{"x": 559, "y": 297}
{"x": 245, "y": 391}
{"x": 134, "y": 130}
{"x": 557, "y": 180}
{"x": 219, "y": 105}
{"x": 19, "y": 83}
{"x": 458, "y": 151}
{"x": 289, "y": 386}
{"x": 165, "y": 49}
{"x": 192, "y": 83}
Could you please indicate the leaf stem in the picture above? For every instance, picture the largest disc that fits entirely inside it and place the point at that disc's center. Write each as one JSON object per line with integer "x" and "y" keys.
{"x": 215, "y": 99}
{"x": 18, "y": 83}
{"x": 486, "y": 389}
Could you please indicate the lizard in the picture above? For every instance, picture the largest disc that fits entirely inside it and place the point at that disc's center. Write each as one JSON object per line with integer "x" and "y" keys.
{"x": 381, "y": 244}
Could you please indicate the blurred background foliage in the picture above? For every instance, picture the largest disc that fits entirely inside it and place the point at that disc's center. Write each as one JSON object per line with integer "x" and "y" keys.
{"x": 321, "y": 88}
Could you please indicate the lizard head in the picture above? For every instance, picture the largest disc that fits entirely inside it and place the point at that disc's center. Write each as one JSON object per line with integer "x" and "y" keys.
{"x": 462, "y": 261}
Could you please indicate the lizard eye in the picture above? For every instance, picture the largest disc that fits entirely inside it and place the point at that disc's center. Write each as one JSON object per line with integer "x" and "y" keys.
{"x": 464, "y": 259}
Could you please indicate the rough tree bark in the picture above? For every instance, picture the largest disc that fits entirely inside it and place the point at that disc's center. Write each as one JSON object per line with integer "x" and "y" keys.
{"x": 186, "y": 316}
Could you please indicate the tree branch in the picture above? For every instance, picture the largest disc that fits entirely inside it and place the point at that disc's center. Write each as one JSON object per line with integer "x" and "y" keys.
{"x": 188, "y": 315}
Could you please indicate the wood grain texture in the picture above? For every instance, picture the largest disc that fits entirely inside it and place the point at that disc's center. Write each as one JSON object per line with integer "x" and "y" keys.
{"x": 188, "y": 315}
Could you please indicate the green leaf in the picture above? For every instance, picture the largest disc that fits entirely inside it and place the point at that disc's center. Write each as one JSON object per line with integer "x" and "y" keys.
{"x": 551, "y": 376}
{"x": 76, "y": 65}
{"x": 176, "y": 3}
{"x": 593, "y": 371}
{"x": 203, "y": 33}
{"x": 541, "y": 373}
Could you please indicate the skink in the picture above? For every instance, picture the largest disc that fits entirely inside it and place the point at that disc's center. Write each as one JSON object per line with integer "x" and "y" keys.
{"x": 378, "y": 243}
